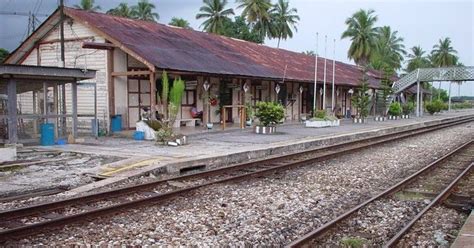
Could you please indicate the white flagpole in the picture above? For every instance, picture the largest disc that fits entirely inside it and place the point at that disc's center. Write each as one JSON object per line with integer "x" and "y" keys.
{"x": 315, "y": 73}
{"x": 333, "y": 102}
{"x": 324, "y": 80}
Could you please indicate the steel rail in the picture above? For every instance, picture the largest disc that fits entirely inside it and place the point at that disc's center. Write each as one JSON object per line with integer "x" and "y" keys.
{"x": 326, "y": 227}
{"x": 440, "y": 197}
{"x": 30, "y": 210}
{"x": 33, "y": 228}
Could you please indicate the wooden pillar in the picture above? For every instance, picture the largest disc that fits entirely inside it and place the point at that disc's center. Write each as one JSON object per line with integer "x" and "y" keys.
{"x": 12, "y": 112}
{"x": 63, "y": 109}
{"x": 74, "y": 108}
{"x": 110, "y": 80}
{"x": 35, "y": 111}
{"x": 153, "y": 94}
{"x": 45, "y": 101}
{"x": 55, "y": 111}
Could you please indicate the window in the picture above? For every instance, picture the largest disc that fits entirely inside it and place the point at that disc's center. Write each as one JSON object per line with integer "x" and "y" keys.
{"x": 189, "y": 98}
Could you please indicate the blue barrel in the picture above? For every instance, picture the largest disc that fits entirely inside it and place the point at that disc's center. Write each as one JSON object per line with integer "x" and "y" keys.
{"x": 47, "y": 134}
{"x": 139, "y": 135}
{"x": 116, "y": 123}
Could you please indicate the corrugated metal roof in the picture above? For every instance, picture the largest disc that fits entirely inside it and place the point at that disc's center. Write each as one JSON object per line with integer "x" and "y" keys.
{"x": 180, "y": 49}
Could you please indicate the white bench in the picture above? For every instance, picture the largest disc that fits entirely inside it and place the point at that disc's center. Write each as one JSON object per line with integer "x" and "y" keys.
{"x": 187, "y": 122}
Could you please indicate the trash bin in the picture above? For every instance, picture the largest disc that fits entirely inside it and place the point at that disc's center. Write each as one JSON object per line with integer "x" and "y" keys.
{"x": 116, "y": 123}
{"x": 47, "y": 134}
{"x": 139, "y": 135}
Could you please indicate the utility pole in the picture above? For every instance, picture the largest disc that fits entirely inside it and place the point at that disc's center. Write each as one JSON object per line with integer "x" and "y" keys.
{"x": 61, "y": 11}
{"x": 315, "y": 75}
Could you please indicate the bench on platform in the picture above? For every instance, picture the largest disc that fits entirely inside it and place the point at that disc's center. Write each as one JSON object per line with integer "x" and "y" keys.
{"x": 187, "y": 122}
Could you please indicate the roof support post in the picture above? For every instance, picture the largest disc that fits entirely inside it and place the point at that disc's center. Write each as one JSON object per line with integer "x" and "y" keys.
{"x": 418, "y": 107}
{"x": 449, "y": 102}
{"x": 74, "y": 108}
{"x": 45, "y": 101}
{"x": 12, "y": 112}
{"x": 153, "y": 94}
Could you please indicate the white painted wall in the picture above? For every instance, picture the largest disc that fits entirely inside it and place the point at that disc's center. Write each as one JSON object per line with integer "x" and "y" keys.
{"x": 120, "y": 86}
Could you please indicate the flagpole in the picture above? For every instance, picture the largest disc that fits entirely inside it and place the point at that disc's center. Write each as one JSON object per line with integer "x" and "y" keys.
{"x": 315, "y": 73}
{"x": 333, "y": 102}
{"x": 324, "y": 80}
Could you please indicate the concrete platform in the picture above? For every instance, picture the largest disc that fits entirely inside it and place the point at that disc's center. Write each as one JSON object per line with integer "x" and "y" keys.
{"x": 466, "y": 235}
{"x": 213, "y": 149}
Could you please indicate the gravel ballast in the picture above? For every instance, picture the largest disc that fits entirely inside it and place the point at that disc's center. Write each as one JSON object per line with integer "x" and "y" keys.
{"x": 269, "y": 211}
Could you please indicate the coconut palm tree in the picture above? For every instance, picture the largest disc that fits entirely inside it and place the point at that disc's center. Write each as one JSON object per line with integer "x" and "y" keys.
{"x": 88, "y": 5}
{"x": 363, "y": 35}
{"x": 255, "y": 10}
{"x": 284, "y": 20}
{"x": 389, "y": 50}
{"x": 257, "y": 13}
{"x": 179, "y": 22}
{"x": 144, "y": 11}
{"x": 215, "y": 13}
{"x": 443, "y": 53}
{"x": 417, "y": 59}
{"x": 122, "y": 10}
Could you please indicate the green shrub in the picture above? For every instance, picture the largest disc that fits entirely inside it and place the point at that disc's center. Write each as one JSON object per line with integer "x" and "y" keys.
{"x": 435, "y": 106}
{"x": 319, "y": 114}
{"x": 269, "y": 113}
{"x": 395, "y": 109}
{"x": 407, "y": 108}
{"x": 352, "y": 242}
{"x": 462, "y": 105}
{"x": 164, "y": 134}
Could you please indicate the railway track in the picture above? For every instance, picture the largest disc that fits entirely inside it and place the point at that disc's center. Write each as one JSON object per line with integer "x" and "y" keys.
{"x": 437, "y": 179}
{"x": 29, "y": 220}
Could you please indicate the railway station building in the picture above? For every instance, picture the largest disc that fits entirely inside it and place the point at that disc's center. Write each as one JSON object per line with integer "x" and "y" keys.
{"x": 129, "y": 57}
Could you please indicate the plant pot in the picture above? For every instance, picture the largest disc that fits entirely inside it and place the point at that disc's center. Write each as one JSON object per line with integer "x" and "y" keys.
{"x": 358, "y": 120}
{"x": 265, "y": 130}
{"x": 248, "y": 123}
{"x": 380, "y": 118}
{"x": 210, "y": 125}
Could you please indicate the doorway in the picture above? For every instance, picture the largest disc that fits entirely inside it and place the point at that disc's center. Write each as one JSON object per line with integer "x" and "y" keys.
{"x": 139, "y": 97}
{"x": 225, "y": 97}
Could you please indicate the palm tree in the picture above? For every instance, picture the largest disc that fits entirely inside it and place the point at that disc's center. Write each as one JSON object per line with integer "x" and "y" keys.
{"x": 363, "y": 34}
{"x": 443, "y": 53}
{"x": 417, "y": 59}
{"x": 179, "y": 22}
{"x": 257, "y": 13}
{"x": 215, "y": 13}
{"x": 87, "y": 5}
{"x": 285, "y": 19}
{"x": 144, "y": 11}
{"x": 122, "y": 10}
{"x": 389, "y": 50}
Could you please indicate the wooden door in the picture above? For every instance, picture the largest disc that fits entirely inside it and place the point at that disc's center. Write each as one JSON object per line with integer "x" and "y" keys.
{"x": 139, "y": 97}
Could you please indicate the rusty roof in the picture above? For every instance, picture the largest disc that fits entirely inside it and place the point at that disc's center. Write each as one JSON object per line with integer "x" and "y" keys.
{"x": 173, "y": 48}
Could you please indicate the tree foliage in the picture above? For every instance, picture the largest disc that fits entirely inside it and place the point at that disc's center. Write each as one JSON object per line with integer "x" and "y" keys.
{"x": 144, "y": 11}
{"x": 122, "y": 10}
{"x": 363, "y": 34}
{"x": 283, "y": 20}
{"x": 88, "y": 5}
{"x": 389, "y": 50}
{"x": 215, "y": 14}
{"x": 443, "y": 54}
{"x": 239, "y": 29}
{"x": 179, "y": 22}
{"x": 417, "y": 59}
{"x": 257, "y": 14}
{"x": 360, "y": 99}
{"x": 3, "y": 54}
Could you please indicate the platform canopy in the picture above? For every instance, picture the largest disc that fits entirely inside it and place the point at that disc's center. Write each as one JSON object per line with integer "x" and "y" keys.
{"x": 18, "y": 79}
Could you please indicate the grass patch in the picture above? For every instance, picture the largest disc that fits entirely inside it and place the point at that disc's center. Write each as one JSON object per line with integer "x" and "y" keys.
{"x": 409, "y": 196}
{"x": 352, "y": 242}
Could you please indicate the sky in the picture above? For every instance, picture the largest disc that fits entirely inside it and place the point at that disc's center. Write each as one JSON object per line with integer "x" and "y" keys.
{"x": 419, "y": 22}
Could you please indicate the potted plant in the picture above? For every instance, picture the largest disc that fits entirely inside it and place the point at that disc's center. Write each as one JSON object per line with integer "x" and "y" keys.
{"x": 361, "y": 101}
{"x": 321, "y": 119}
{"x": 268, "y": 114}
{"x": 407, "y": 108}
{"x": 394, "y": 111}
